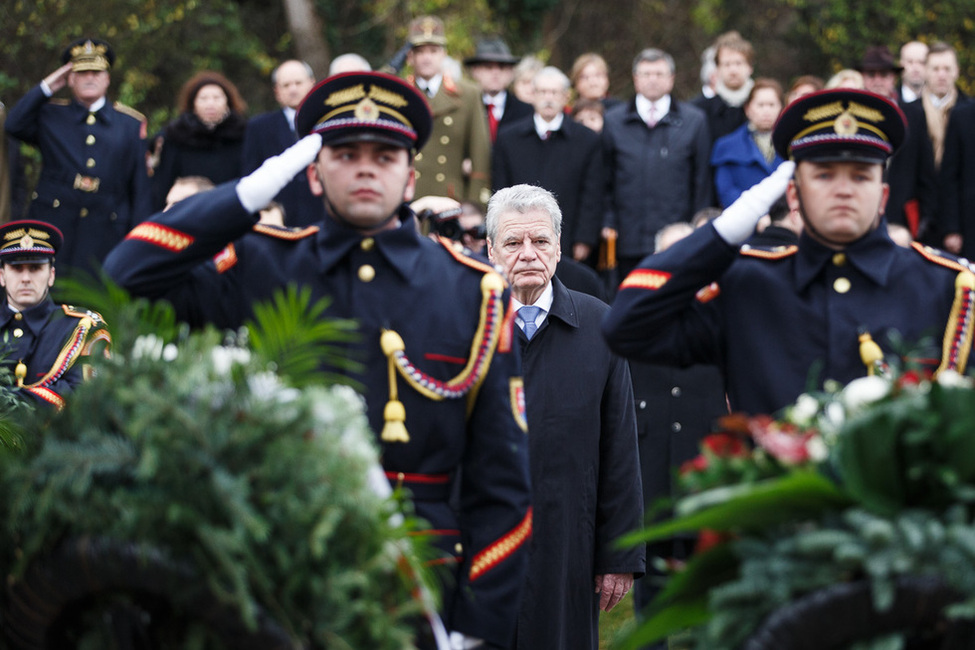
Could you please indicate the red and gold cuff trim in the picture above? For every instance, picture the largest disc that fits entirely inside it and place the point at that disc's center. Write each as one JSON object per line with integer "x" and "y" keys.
{"x": 502, "y": 549}
{"x": 162, "y": 236}
{"x": 645, "y": 279}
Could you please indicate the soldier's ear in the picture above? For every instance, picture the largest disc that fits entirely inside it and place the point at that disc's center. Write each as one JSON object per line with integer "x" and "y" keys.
{"x": 50, "y": 280}
{"x": 314, "y": 180}
{"x": 410, "y": 190}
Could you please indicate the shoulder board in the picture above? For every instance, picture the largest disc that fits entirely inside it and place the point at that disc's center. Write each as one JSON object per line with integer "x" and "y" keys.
{"x": 59, "y": 101}
{"x": 281, "y": 232}
{"x": 938, "y": 257}
{"x": 776, "y": 253}
{"x": 465, "y": 260}
{"x": 128, "y": 110}
{"x": 80, "y": 312}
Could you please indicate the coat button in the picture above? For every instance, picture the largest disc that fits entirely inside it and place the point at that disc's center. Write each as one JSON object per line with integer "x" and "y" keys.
{"x": 445, "y": 139}
{"x": 442, "y": 160}
{"x": 56, "y": 203}
{"x": 418, "y": 157}
{"x": 441, "y": 178}
{"x": 841, "y": 285}
{"x": 367, "y": 273}
{"x": 675, "y": 427}
{"x": 18, "y": 316}
{"x": 447, "y": 121}
{"x": 367, "y": 244}
{"x": 642, "y": 404}
{"x": 675, "y": 391}
{"x": 83, "y": 212}
{"x": 839, "y": 259}
{"x": 90, "y": 139}
{"x": 18, "y": 333}
{"x": 416, "y": 174}
{"x": 91, "y": 118}
{"x": 458, "y": 548}
{"x": 90, "y": 163}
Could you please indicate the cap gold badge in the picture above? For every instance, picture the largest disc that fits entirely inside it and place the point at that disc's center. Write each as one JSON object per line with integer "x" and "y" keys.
{"x": 26, "y": 242}
{"x": 366, "y": 111}
{"x": 846, "y": 124}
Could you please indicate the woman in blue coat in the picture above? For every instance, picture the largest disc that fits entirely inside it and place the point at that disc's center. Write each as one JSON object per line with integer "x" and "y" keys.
{"x": 745, "y": 156}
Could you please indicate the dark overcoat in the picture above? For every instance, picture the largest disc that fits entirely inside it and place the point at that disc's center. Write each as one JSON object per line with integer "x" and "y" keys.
{"x": 569, "y": 164}
{"x": 585, "y": 472}
{"x": 268, "y": 135}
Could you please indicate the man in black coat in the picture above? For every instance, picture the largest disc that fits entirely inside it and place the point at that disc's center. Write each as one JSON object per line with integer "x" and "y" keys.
{"x": 271, "y": 133}
{"x": 93, "y": 186}
{"x": 581, "y": 433}
{"x": 559, "y": 154}
{"x": 656, "y": 155}
{"x": 493, "y": 69}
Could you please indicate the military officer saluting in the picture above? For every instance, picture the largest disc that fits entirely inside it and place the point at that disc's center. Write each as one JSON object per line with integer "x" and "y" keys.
{"x": 460, "y": 127}
{"x": 43, "y": 343}
{"x": 93, "y": 184}
{"x": 441, "y": 378}
{"x": 780, "y": 320}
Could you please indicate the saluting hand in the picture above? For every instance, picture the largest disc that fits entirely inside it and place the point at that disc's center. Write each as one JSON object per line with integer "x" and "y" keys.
{"x": 263, "y": 184}
{"x": 737, "y": 222}
{"x": 59, "y": 78}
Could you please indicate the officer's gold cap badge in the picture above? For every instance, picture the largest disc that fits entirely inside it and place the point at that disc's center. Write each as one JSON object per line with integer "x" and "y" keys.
{"x": 89, "y": 54}
{"x": 28, "y": 241}
{"x": 361, "y": 106}
{"x": 839, "y": 125}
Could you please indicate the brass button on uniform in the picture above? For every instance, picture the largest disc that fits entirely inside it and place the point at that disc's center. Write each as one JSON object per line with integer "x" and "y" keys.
{"x": 417, "y": 174}
{"x": 841, "y": 285}
{"x": 18, "y": 316}
{"x": 418, "y": 157}
{"x": 90, "y": 162}
{"x": 83, "y": 212}
{"x": 441, "y": 178}
{"x": 445, "y": 139}
{"x": 91, "y": 118}
{"x": 18, "y": 333}
{"x": 55, "y": 203}
{"x": 442, "y": 160}
{"x": 90, "y": 139}
{"x": 367, "y": 273}
{"x": 448, "y": 120}
{"x": 839, "y": 259}
{"x": 367, "y": 244}
{"x": 458, "y": 548}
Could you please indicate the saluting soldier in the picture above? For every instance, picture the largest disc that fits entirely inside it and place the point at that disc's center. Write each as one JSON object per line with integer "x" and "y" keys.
{"x": 93, "y": 184}
{"x": 460, "y": 128}
{"x": 441, "y": 378}
{"x": 780, "y": 320}
{"x": 43, "y": 342}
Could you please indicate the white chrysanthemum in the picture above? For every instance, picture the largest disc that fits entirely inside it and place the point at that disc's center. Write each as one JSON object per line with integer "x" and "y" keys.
{"x": 863, "y": 391}
{"x": 147, "y": 346}
{"x": 224, "y": 358}
{"x": 268, "y": 387}
{"x": 805, "y": 409}
{"x": 952, "y": 379}
{"x": 833, "y": 418}
{"x": 817, "y": 450}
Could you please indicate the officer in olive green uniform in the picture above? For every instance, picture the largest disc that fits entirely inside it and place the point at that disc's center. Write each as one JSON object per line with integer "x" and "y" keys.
{"x": 460, "y": 130}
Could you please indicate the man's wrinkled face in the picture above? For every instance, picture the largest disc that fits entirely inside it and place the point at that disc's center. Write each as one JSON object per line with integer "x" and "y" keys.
{"x": 527, "y": 249}
{"x": 26, "y": 285}
{"x": 291, "y": 83}
{"x": 882, "y": 82}
{"x": 88, "y": 86}
{"x": 550, "y": 96}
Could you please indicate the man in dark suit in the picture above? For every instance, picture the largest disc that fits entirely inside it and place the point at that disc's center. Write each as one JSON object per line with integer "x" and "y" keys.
{"x": 93, "y": 187}
{"x": 564, "y": 157}
{"x": 493, "y": 69}
{"x": 271, "y": 133}
{"x": 581, "y": 433}
{"x": 657, "y": 153}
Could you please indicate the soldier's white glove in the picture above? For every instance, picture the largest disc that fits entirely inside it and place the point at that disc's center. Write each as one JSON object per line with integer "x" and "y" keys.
{"x": 460, "y": 641}
{"x": 737, "y": 222}
{"x": 259, "y": 188}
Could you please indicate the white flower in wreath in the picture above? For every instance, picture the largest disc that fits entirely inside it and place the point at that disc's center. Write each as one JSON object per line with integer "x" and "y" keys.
{"x": 952, "y": 379}
{"x": 805, "y": 409}
{"x": 224, "y": 358}
{"x": 863, "y": 392}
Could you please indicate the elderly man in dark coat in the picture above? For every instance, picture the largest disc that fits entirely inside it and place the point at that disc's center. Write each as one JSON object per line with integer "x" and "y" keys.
{"x": 581, "y": 432}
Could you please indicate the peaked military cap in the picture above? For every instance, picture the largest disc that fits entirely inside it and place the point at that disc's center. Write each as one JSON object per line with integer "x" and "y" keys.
{"x": 366, "y": 106}
{"x": 840, "y": 124}
{"x": 492, "y": 50}
{"x": 28, "y": 241}
{"x": 89, "y": 54}
{"x": 427, "y": 30}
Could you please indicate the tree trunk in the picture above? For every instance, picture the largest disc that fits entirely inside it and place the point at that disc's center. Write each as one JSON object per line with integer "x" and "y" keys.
{"x": 306, "y": 28}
